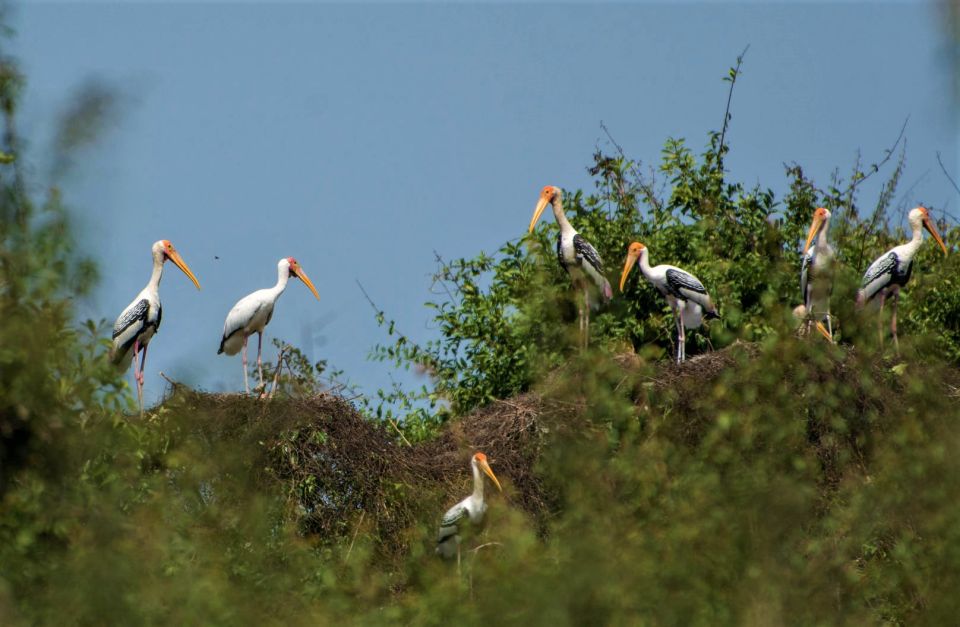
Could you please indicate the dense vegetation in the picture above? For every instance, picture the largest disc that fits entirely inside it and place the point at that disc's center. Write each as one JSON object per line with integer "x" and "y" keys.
{"x": 776, "y": 479}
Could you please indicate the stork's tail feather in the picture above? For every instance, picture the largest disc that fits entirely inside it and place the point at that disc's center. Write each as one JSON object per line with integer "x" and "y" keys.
{"x": 607, "y": 291}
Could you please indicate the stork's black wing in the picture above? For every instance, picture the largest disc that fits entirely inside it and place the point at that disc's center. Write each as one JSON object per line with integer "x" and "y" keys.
{"x": 563, "y": 264}
{"x": 137, "y": 313}
{"x": 678, "y": 280}
{"x": 587, "y": 252}
{"x": 884, "y": 265}
{"x": 805, "y": 263}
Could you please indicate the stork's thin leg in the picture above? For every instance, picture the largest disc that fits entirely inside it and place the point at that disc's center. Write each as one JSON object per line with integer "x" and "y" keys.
{"x": 893, "y": 321}
{"x": 136, "y": 375}
{"x": 259, "y": 352}
{"x": 677, "y": 323}
{"x": 246, "y": 384}
{"x": 883, "y": 297}
{"x": 143, "y": 362}
{"x": 581, "y": 319}
{"x": 683, "y": 342}
{"x": 586, "y": 326}
{"x": 830, "y": 324}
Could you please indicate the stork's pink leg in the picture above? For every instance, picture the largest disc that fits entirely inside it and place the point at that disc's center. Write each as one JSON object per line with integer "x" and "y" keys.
{"x": 136, "y": 374}
{"x": 259, "y": 352}
{"x": 586, "y": 309}
{"x": 893, "y": 320}
{"x": 246, "y": 384}
{"x": 883, "y": 297}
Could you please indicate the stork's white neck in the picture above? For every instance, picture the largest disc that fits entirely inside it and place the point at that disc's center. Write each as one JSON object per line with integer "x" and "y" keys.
{"x": 154, "y": 282}
{"x": 477, "y": 481}
{"x": 644, "y": 262}
{"x": 283, "y": 275}
{"x": 560, "y": 216}
{"x": 822, "y": 237}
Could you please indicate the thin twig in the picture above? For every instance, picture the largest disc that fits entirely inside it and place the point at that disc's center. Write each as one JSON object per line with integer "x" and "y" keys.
{"x": 647, "y": 188}
{"x": 726, "y": 113}
{"x": 399, "y": 432}
{"x": 947, "y": 174}
{"x": 276, "y": 375}
{"x": 356, "y": 530}
{"x": 171, "y": 381}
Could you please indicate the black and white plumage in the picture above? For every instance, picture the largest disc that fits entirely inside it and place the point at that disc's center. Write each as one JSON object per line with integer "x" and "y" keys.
{"x": 816, "y": 274}
{"x": 576, "y": 255}
{"x": 685, "y": 294}
{"x": 140, "y": 320}
{"x": 470, "y": 509}
{"x": 891, "y": 271}
{"x": 253, "y": 312}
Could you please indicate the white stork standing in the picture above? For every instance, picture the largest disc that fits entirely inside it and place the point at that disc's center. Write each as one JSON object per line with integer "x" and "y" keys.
{"x": 816, "y": 281}
{"x": 684, "y": 292}
{"x": 575, "y": 254}
{"x": 892, "y": 269}
{"x": 471, "y": 508}
{"x": 141, "y": 319}
{"x": 253, "y": 312}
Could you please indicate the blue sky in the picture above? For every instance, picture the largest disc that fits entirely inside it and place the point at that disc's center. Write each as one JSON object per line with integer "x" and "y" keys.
{"x": 361, "y": 139}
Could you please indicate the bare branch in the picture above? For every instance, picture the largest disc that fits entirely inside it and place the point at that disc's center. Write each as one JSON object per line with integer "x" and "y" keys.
{"x": 947, "y": 174}
{"x": 647, "y": 187}
{"x": 734, "y": 73}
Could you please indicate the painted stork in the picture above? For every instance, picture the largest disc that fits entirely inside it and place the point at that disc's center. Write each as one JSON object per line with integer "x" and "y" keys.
{"x": 141, "y": 319}
{"x": 471, "y": 508}
{"x": 253, "y": 312}
{"x": 575, "y": 254}
{"x": 816, "y": 281}
{"x": 684, "y": 292}
{"x": 892, "y": 269}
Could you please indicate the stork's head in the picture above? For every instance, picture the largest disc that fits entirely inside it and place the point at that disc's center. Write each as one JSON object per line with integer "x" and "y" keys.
{"x": 297, "y": 271}
{"x": 480, "y": 461}
{"x": 164, "y": 250}
{"x": 921, "y": 217}
{"x": 547, "y": 195}
{"x": 821, "y": 217}
{"x": 633, "y": 253}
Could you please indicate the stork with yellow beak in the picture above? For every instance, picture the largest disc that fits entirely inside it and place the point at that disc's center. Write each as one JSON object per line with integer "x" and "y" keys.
{"x": 141, "y": 319}
{"x": 575, "y": 254}
{"x": 892, "y": 270}
{"x": 253, "y": 312}
{"x": 684, "y": 292}
{"x": 816, "y": 267}
{"x": 471, "y": 508}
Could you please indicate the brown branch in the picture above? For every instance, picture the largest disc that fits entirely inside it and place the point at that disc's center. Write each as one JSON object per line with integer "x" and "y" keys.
{"x": 355, "y": 532}
{"x": 647, "y": 188}
{"x": 947, "y": 174}
{"x": 173, "y": 383}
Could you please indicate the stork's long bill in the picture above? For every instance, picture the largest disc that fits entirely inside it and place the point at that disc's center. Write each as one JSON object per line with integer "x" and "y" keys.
{"x": 819, "y": 217}
{"x": 633, "y": 253}
{"x": 297, "y": 270}
{"x": 929, "y": 225}
{"x": 172, "y": 254}
{"x": 485, "y": 467}
{"x": 546, "y": 197}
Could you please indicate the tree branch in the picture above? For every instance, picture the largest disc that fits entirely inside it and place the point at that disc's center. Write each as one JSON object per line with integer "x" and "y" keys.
{"x": 734, "y": 73}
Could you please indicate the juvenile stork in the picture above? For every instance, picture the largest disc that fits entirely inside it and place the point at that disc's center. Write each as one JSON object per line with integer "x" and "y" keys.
{"x": 684, "y": 292}
{"x": 471, "y": 508}
{"x": 253, "y": 312}
{"x": 575, "y": 254}
{"x": 892, "y": 269}
{"x": 816, "y": 269}
{"x": 141, "y": 319}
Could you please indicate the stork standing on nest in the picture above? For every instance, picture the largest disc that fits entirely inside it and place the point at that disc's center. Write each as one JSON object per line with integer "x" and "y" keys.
{"x": 471, "y": 508}
{"x": 575, "y": 254}
{"x": 253, "y": 312}
{"x": 141, "y": 319}
{"x": 816, "y": 268}
{"x": 684, "y": 292}
{"x": 891, "y": 271}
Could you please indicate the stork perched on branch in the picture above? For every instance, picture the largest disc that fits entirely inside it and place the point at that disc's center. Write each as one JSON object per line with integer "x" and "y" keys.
{"x": 816, "y": 269}
{"x": 253, "y": 312}
{"x": 141, "y": 319}
{"x": 471, "y": 508}
{"x": 684, "y": 292}
{"x": 891, "y": 271}
{"x": 575, "y": 254}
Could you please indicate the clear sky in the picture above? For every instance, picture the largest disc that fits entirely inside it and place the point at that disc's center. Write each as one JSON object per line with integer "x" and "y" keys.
{"x": 361, "y": 139}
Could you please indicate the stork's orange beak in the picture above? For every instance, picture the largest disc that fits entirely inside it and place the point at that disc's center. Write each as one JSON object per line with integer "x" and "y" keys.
{"x": 814, "y": 229}
{"x": 627, "y": 266}
{"x": 823, "y": 331}
{"x": 486, "y": 469}
{"x": 303, "y": 277}
{"x": 541, "y": 205}
{"x": 175, "y": 257}
{"x": 928, "y": 224}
